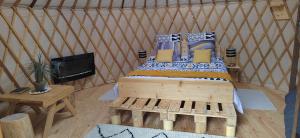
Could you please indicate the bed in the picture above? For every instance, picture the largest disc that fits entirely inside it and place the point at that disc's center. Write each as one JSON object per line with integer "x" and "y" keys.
{"x": 181, "y": 80}
{"x": 158, "y": 80}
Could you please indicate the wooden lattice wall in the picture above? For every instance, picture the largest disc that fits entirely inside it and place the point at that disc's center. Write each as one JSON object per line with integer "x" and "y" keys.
{"x": 115, "y": 35}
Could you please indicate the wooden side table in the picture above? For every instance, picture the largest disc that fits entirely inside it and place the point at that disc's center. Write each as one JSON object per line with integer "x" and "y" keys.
{"x": 53, "y": 101}
{"x": 234, "y": 71}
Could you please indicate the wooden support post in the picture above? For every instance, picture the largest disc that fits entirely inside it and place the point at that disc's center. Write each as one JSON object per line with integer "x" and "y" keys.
{"x": 171, "y": 116}
{"x": 164, "y": 116}
{"x": 116, "y": 117}
{"x": 200, "y": 124}
{"x": 17, "y": 126}
{"x": 230, "y": 127}
{"x": 51, "y": 111}
{"x": 168, "y": 125}
{"x": 69, "y": 106}
{"x": 137, "y": 118}
{"x": 1, "y": 134}
{"x": 230, "y": 131}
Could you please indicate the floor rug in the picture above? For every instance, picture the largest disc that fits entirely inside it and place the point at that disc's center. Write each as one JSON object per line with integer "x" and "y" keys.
{"x": 118, "y": 131}
{"x": 254, "y": 99}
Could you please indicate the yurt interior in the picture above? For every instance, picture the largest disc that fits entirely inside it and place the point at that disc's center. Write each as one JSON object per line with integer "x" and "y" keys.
{"x": 149, "y": 68}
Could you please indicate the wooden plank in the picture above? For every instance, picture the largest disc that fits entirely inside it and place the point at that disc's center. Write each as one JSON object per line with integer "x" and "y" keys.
{"x": 174, "y": 106}
{"x": 69, "y": 106}
{"x": 228, "y": 110}
{"x": 214, "y": 107}
{"x": 191, "y": 90}
{"x": 187, "y": 108}
{"x": 139, "y": 104}
{"x": 150, "y": 105}
{"x": 163, "y": 105}
{"x": 200, "y": 107}
{"x": 128, "y": 103}
{"x": 118, "y": 102}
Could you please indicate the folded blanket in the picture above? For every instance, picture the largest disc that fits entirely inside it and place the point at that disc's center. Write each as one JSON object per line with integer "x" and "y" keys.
{"x": 182, "y": 74}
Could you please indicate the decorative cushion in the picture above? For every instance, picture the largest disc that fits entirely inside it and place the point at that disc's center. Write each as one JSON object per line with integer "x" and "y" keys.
{"x": 198, "y": 41}
{"x": 202, "y": 56}
{"x": 165, "y": 55}
{"x": 164, "y": 42}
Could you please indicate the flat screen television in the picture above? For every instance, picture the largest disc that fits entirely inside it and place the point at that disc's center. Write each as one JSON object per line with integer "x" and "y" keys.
{"x": 71, "y": 68}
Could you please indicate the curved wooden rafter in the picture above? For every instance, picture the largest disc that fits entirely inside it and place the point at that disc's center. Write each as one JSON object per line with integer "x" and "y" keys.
{"x": 74, "y": 4}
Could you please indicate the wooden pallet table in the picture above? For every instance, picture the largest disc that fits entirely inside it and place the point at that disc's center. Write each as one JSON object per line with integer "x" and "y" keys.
{"x": 169, "y": 109}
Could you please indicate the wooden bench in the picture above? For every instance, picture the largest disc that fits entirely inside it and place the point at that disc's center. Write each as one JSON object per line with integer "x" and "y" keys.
{"x": 169, "y": 109}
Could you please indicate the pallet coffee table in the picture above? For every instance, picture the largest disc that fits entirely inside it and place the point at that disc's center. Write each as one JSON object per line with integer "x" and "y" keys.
{"x": 54, "y": 100}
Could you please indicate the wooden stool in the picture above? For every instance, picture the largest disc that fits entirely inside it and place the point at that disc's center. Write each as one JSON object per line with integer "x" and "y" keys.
{"x": 17, "y": 126}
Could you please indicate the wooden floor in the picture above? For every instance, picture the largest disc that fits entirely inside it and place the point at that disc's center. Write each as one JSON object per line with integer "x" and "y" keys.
{"x": 92, "y": 111}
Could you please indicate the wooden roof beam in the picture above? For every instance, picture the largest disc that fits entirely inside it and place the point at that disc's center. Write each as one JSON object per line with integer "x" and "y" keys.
{"x": 61, "y": 4}
{"x": 122, "y": 5}
{"x": 15, "y": 4}
{"x": 1, "y": 2}
{"x": 111, "y": 4}
{"x": 99, "y": 4}
{"x": 48, "y": 3}
{"x": 32, "y": 3}
{"x": 74, "y": 4}
{"x": 134, "y": 2}
{"x": 86, "y": 6}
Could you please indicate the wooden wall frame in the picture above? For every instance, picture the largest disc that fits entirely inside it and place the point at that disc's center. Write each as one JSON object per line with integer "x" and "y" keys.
{"x": 115, "y": 36}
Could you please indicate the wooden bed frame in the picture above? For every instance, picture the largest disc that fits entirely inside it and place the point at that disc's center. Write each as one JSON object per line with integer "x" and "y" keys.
{"x": 177, "y": 89}
{"x": 178, "y": 96}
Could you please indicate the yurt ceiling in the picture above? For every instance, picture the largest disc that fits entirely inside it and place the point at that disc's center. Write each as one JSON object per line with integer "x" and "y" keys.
{"x": 264, "y": 44}
{"x": 108, "y": 3}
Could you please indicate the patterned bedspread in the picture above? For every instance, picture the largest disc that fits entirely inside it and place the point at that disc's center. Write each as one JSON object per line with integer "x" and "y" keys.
{"x": 216, "y": 65}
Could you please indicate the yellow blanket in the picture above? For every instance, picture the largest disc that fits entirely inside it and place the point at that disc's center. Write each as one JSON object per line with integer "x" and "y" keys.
{"x": 183, "y": 74}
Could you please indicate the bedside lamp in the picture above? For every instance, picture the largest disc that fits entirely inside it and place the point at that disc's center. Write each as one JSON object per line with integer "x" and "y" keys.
{"x": 231, "y": 57}
{"x": 142, "y": 56}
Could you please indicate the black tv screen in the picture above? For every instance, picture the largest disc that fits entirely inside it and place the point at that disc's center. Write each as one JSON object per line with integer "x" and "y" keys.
{"x": 71, "y": 68}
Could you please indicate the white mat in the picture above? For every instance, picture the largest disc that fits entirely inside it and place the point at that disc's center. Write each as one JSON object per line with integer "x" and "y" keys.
{"x": 118, "y": 131}
{"x": 110, "y": 95}
{"x": 254, "y": 99}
